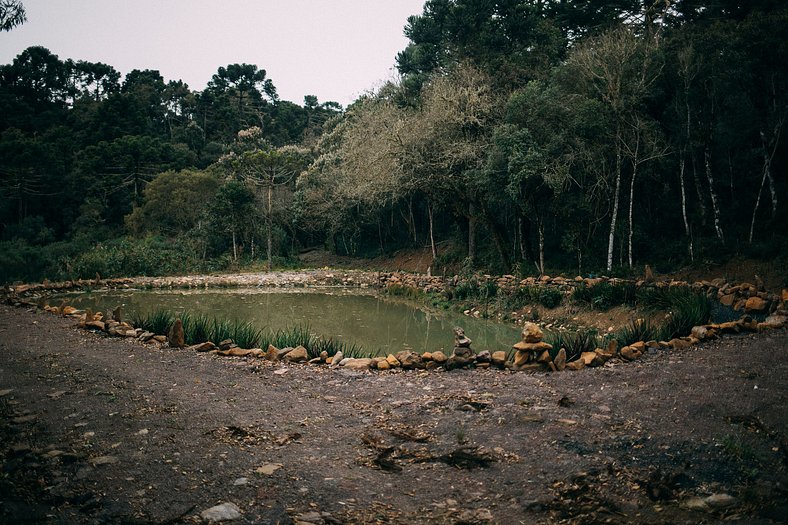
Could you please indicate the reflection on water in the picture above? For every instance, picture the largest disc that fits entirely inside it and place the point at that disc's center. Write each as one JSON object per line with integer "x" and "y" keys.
{"x": 372, "y": 322}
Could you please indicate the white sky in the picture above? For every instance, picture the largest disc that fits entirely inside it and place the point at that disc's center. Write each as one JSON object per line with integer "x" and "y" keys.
{"x": 334, "y": 49}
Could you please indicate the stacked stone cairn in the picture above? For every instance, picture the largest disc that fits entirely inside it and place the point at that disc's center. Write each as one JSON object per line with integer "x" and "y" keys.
{"x": 534, "y": 354}
{"x": 462, "y": 356}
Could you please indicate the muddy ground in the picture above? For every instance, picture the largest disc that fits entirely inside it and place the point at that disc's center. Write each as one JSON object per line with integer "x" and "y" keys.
{"x": 100, "y": 430}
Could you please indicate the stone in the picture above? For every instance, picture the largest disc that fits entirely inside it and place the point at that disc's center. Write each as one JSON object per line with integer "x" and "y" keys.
{"x": 227, "y": 344}
{"x": 731, "y": 327}
{"x": 679, "y": 344}
{"x": 756, "y": 305}
{"x": 454, "y": 362}
{"x": 532, "y": 367}
{"x": 544, "y": 358}
{"x": 238, "y": 352}
{"x": 95, "y": 325}
{"x": 410, "y": 360}
{"x": 521, "y": 358}
{"x": 702, "y": 333}
{"x": 498, "y": 358}
{"x": 784, "y": 295}
{"x": 439, "y": 357}
{"x": 483, "y": 357}
{"x": 222, "y": 512}
{"x": 630, "y": 353}
{"x": 297, "y": 355}
{"x": 606, "y": 353}
{"x": 381, "y": 364}
{"x": 588, "y": 358}
{"x": 577, "y": 364}
{"x": 202, "y": 347}
{"x": 324, "y": 356}
{"x": 532, "y": 333}
{"x": 103, "y": 460}
{"x": 268, "y": 469}
{"x": 427, "y": 356}
{"x": 159, "y": 338}
{"x": 775, "y": 321}
{"x": 337, "y": 358}
{"x": 272, "y": 354}
{"x": 728, "y": 299}
{"x": 363, "y": 363}
{"x": 639, "y": 346}
{"x": 532, "y": 347}
{"x": 719, "y": 501}
{"x": 560, "y": 360}
{"x": 176, "y": 337}
{"x": 460, "y": 339}
{"x": 612, "y": 348}
{"x": 393, "y": 361}
{"x": 117, "y": 314}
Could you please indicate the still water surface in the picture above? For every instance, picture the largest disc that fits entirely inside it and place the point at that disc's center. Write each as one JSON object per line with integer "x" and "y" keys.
{"x": 375, "y": 323}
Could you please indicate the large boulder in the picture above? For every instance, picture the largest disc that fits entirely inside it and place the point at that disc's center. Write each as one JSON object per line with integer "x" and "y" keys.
{"x": 409, "y": 360}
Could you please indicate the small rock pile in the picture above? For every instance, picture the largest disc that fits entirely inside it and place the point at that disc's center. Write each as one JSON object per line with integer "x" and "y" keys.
{"x": 531, "y": 353}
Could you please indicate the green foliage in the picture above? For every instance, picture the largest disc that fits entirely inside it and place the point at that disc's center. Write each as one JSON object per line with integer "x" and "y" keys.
{"x": 157, "y": 322}
{"x": 638, "y": 330}
{"x": 130, "y": 257}
{"x": 547, "y": 296}
{"x": 575, "y": 343}
{"x": 690, "y": 310}
{"x": 605, "y": 295}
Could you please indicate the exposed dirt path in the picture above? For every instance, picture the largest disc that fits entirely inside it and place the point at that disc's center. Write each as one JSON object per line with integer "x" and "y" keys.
{"x": 99, "y": 430}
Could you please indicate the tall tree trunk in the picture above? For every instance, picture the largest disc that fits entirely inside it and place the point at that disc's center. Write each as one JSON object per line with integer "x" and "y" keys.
{"x": 541, "y": 247}
{"x": 635, "y": 162}
{"x": 471, "y": 232}
{"x": 767, "y": 175}
{"x": 235, "y": 248}
{"x": 269, "y": 226}
{"x": 432, "y": 233}
{"x": 714, "y": 205}
{"x": 682, "y": 163}
{"x": 699, "y": 191}
{"x": 611, "y": 238}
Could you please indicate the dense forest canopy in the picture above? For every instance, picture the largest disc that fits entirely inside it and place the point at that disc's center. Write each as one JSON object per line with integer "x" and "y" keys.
{"x": 522, "y": 134}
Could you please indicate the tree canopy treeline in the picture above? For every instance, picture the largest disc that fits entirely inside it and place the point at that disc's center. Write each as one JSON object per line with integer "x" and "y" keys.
{"x": 524, "y": 134}
{"x": 578, "y": 135}
{"x": 88, "y": 156}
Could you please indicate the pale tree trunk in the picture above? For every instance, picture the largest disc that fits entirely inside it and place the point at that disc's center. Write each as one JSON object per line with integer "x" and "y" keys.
{"x": 767, "y": 175}
{"x": 235, "y": 248}
{"x": 635, "y": 162}
{"x": 471, "y": 232}
{"x": 714, "y": 206}
{"x": 432, "y": 236}
{"x": 269, "y": 226}
{"x": 682, "y": 163}
{"x": 611, "y": 238}
{"x": 541, "y": 247}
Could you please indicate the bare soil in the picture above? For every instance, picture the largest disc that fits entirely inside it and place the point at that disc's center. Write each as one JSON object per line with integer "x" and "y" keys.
{"x": 100, "y": 430}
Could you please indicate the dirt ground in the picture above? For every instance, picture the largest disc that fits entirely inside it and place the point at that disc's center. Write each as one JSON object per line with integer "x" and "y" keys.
{"x": 100, "y": 430}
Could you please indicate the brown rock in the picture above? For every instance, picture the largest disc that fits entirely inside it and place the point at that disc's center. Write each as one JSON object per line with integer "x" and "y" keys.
{"x": 544, "y": 357}
{"x": 159, "y": 339}
{"x": 775, "y": 321}
{"x": 227, "y": 344}
{"x": 272, "y": 354}
{"x": 731, "y": 327}
{"x": 439, "y": 357}
{"x": 577, "y": 364}
{"x": 96, "y": 325}
{"x": 239, "y": 352}
{"x": 588, "y": 358}
{"x": 784, "y": 295}
{"x": 640, "y": 346}
{"x": 521, "y": 358}
{"x": 460, "y": 339}
{"x": 755, "y": 304}
{"x": 392, "y": 361}
{"x": 297, "y": 355}
{"x": 532, "y": 333}
{"x": 560, "y": 360}
{"x": 678, "y": 344}
{"x": 363, "y": 363}
{"x": 483, "y": 357}
{"x": 410, "y": 360}
{"x": 381, "y": 364}
{"x": 630, "y": 353}
{"x": 202, "y": 347}
{"x": 427, "y": 356}
{"x": 702, "y": 333}
{"x": 612, "y": 347}
{"x": 727, "y": 300}
{"x": 532, "y": 347}
{"x": 532, "y": 367}
{"x": 175, "y": 337}
{"x": 498, "y": 358}
{"x": 607, "y": 353}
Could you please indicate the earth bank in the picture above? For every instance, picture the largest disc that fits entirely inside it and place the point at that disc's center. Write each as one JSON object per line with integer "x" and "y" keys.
{"x": 107, "y": 430}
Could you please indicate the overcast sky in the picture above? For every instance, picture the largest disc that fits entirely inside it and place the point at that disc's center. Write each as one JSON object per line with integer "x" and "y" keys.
{"x": 334, "y": 49}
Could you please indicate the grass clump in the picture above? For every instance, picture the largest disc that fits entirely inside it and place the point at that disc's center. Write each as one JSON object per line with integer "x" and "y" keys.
{"x": 605, "y": 295}
{"x": 575, "y": 343}
{"x": 156, "y": 322}
{"x": 547, "y": 296}
{"x": 637, "y": 330}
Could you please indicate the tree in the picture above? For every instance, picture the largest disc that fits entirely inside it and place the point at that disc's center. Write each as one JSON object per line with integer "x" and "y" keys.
{"x": 12, "y": 14}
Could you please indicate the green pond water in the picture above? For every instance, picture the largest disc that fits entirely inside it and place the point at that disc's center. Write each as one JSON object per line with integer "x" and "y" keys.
{"x": 377, "y": 324}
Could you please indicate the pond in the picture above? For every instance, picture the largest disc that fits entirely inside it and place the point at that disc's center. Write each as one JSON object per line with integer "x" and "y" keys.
{"x": 377, "y": 324}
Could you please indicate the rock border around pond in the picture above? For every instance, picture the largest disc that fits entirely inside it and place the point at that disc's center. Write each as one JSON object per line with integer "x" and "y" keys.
{"x": 530, "y": 354}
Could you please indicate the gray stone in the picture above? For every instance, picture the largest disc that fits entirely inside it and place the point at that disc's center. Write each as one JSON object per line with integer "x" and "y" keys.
{"x": 222, "y": 512}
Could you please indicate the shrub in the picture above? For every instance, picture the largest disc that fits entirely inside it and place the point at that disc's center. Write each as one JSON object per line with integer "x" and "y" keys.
{"x": 575, "y": 343}
{"x": 605, "y": 295}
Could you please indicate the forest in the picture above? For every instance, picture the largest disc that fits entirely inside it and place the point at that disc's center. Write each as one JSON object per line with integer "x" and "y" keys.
{"x": 522, "y": 136}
